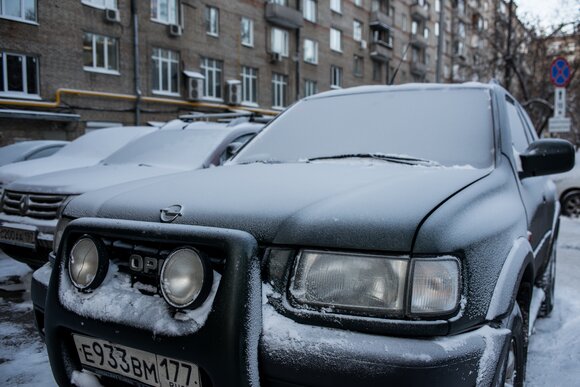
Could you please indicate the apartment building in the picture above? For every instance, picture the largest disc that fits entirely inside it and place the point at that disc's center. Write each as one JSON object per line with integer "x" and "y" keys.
{"x": 74, "y": 65}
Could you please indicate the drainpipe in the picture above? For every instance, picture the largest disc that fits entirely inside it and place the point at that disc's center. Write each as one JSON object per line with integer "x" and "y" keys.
{"x": 297, "y": 56}
{"x": 440, "y": 41}
{"x": 137, "y": 68}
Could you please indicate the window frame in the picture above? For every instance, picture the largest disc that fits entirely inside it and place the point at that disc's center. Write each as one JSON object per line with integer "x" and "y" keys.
{"x": 305, "y": 13}
{"x": 336, "y": 74}
{"x": 251, "y": 30}
{"x": 217, "y": 72}
{"x": 279, "y": 84}
{"x": 360, "y": 60}
{"x": 251, "y": 77}
{"x": 107, "y": 4}
{"x": 169, "y": 21}
{"x": 210, "y": 28}
{"x": 169, "y": 60}
{"x": 310, "y": 87}
{"x": 336, "y": 6}
{"x": 285, "y": 41}
{"x": 357, "y": 30}
{"x": 94, "y": 52}
{"x": 315, "y": 50}
{"x": 22, "y": 18}
{"x": 24, "y": 71}
{"x": 333, "y": 39}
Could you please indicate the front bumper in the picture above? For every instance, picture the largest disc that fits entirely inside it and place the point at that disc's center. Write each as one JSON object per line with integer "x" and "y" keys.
{"x": 34, "y": 253}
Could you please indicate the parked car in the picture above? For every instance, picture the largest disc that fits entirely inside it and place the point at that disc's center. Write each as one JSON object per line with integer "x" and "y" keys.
{"x": 29, "y": 150}
{"x": 367, "y": 237}
{"x": 568, "y": 187}
{"x": 30, "y": 207}
{"x": 86, "y": 150}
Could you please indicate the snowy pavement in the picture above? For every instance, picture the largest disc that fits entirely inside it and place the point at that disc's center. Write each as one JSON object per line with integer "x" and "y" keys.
{"x": 554, "y": 353}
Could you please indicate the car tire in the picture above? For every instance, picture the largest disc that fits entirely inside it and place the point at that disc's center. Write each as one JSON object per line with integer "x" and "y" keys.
{"x": 571, "y": 204}
{"x": 549, "y": 287}
{"x": 513, "y": 367}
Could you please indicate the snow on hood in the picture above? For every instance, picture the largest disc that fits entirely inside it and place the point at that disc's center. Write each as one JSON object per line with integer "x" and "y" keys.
{"x": 55, "y": 163}
{"x": 359, "y": 206}
{"x": 80, "y": 180}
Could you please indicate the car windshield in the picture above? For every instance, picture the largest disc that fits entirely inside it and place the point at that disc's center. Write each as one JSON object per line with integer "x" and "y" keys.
{"x": 102, "y": 142}
{"x": 445, "y": 126}
{"x": 187, "y": 148}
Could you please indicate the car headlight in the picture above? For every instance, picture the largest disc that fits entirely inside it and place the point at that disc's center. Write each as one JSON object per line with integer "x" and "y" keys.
{"x": 435, "y": 286}
{"x": 350, "y": 281}
{"x": 376, "y": 284}
{"x": 186, "y": 278}
{"x": 87, "y": 263}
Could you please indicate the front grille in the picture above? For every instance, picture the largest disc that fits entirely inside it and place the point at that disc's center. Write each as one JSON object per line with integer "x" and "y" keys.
{"x": 120, "y": 251}
{"x": 39, "y": 206}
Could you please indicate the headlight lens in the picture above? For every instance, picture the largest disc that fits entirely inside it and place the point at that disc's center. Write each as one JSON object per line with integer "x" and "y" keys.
{"x": 375, "y": 284}
{"x": 87, "y": 263}
{"x": 349, "y": 281}
{"x": 185, "y": 278}
{"x": 435, "y": 286}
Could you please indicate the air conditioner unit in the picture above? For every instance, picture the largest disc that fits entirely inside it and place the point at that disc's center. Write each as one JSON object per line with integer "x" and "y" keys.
{"x": 112, "y": 15}
{"x": 194, "y": 89}
{"x": 234, "y": 92}
{"x": 275, "y": 57}
{"x": 363, "y": 44}
{"x": 175, "y": 30}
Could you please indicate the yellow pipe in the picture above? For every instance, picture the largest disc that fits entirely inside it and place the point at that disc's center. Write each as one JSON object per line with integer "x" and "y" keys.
{"x": 128, "y": 97}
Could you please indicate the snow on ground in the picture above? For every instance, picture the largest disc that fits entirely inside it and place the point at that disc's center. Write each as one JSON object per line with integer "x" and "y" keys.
{"x": 554, "y": 353}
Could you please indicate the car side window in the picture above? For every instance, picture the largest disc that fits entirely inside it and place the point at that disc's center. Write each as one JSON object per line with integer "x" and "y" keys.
{"x": 520, "y": 139}
{"x": 42, "y": 153}
{"x": 529, "y": 125}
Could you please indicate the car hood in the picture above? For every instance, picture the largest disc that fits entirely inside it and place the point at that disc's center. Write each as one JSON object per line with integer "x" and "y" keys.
{"x": 23, "y": 169}
{"x": 80, "y": 180}
{"x": 326, "y": 204}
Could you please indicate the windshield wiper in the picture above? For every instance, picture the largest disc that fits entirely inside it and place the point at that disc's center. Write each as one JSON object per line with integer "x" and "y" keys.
{"x": 260, "y": 162}
{"x": 379, "y": 156}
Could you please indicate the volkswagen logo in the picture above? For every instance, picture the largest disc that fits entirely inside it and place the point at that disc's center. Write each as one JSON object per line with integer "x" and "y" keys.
{"x": 171, "y": 213}
{"x": 23, "y": 205}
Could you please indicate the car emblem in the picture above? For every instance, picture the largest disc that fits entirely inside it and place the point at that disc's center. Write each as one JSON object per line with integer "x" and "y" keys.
{"x": 171, "y": 213}
{"x": 24, "y": 204}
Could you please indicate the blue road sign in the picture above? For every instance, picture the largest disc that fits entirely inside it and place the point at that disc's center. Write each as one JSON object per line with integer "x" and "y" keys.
{"x": 560, "y": 72}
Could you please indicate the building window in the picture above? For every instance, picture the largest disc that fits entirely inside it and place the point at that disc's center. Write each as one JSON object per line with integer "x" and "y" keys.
{"x": 436, "y": 30}
{"x": 279, "y": 90}
{"x": 426, "y": 33}
{"x": 21, "y": 10}
{"x": 101, "y": 53}
{"x": 358, "y": 3}
{"x": 279, "y": 41}
{"x": 358, "y": 66}
{"x": 404, "y": 22}
{"x": 103, "y": 4}
{"x": 310, "y": 87}
{"x": 310, "y": 51}
{"x": 336, "y": 6}
{"x": 437, "y": 5}
{"x": 212, "y": 21}
{"x": 249, "y": 85}
{"x": 309, "y": 10}
{"x": 377, "y": 71}
{"x": 335, "y": 77}
{"x": 212, "y": 84}
{"x": 164, "y": 11}
{"x": 281, "y": 2}
{"x": 335, "y": 40}
{"x": 18, "y": 75}
{"x": 357, "y": 30}
{"x": 247, "y": 33}
{"x": 165, "y": 71}
{"x": 383, "y": 36}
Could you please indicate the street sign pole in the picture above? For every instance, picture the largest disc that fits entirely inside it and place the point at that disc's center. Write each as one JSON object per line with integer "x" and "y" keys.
{"x": 560, "y": 77}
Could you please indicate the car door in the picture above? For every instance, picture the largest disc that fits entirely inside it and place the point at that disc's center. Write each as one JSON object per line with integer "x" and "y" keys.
{"x": 535, "y": 191}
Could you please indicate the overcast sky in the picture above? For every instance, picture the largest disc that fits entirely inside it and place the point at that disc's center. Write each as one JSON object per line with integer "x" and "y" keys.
{"x": 549, "y": 12}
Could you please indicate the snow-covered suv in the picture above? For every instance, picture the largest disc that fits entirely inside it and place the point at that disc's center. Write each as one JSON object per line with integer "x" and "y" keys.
{"x": 367, "y": 237}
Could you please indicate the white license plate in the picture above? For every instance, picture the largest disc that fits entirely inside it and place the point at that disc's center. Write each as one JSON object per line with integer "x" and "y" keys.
{"x": 148, "y": 368}
{"x": 16, "y": 236}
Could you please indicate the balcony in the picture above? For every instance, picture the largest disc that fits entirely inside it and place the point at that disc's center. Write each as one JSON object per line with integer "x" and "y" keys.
{"x": 418, "y": 68}
{"x": 284, "y": 16}
{"x": 461, "y": 14}
{"x": 418, "y": 40}
{"x": 420, "y": 11}
{"x": 381, "y": 51}
{"x": 380, "y": 19}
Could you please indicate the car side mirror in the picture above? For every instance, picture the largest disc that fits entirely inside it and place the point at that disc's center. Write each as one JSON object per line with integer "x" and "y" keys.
{"x": 546, "y": 157}
{"x": 234, "y": 148}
